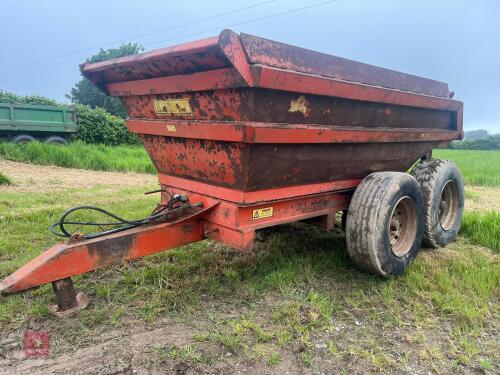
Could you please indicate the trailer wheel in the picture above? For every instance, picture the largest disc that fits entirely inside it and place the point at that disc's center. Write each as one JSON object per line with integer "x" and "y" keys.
{"x": 385, "y": 225}
{"x": 22, "y": 138}
{"x": 442, "y": 188}
{"x": 56, "y": 140}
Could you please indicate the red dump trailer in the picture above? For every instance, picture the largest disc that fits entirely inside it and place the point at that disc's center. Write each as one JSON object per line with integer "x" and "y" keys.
{"x": 248, "y": 133}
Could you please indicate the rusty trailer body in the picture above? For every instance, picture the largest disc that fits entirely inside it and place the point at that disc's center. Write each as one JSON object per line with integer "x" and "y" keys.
{"x": 257, "y": 133}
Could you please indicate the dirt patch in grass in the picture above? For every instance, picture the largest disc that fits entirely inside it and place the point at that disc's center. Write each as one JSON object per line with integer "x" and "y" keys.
{"x": 482, "y": 199}
{"x": 41, "y": 178}
{"x": 168, "y": 347}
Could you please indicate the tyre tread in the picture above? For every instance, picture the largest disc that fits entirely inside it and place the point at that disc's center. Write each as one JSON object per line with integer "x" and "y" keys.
{"x": 361, "y": 217}
{"x": 427, "y": 173}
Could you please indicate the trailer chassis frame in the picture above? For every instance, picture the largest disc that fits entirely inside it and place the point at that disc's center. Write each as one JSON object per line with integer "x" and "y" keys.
{"x": 223, "y": 220}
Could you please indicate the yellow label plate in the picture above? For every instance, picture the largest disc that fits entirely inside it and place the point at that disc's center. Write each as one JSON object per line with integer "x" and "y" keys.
{"x": 173, "y": 107}
{"x": 171, "y": 128}
{"x": 262, "y": 213}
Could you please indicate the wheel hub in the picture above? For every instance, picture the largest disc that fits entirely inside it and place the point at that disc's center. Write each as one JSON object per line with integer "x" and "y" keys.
{"x": 403, "y": 226}
{"x": 448, "y": 206}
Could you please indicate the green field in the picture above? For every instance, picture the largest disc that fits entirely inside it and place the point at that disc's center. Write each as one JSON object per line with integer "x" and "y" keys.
{"x": 81, "y": 155}
{"x": 479, "y": 168}
{"x": 299, "y": 295}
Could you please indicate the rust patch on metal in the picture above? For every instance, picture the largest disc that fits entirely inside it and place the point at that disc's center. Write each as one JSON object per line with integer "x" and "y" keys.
{"x": 111, "y": 250}
{"x": 65, "y": 293}
{"x": 280, "y": 55}
{"x": 219, "y": 163}
{"x": 297, "y": 164}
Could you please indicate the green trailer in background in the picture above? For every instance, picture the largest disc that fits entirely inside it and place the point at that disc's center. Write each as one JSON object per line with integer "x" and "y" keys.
{"x": 21, "y": 123}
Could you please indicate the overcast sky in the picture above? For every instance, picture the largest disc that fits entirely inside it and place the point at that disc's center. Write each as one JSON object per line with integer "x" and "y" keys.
{"x": 454, "y": 41}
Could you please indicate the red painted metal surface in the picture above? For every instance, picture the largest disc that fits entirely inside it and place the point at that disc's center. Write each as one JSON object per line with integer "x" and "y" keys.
{"x": 218, "y": 79}
{"x": 65, "y": 260}
{"x": 182, "y": 59}
{"x": 278, "y": 79}
{"x": 253, "y": 132}
{"x": 252, "y": 197}
{"x": 267, "y": 52}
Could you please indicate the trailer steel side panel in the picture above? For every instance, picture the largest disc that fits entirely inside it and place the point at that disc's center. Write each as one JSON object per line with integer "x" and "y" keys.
{"x": 16, "y": 118}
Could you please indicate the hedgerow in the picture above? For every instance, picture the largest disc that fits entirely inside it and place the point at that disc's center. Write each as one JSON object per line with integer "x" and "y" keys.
{"x": 100, "y": 127}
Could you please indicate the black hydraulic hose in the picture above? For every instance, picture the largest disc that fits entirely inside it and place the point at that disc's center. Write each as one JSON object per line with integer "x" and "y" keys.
{"x": 125, "y": 224}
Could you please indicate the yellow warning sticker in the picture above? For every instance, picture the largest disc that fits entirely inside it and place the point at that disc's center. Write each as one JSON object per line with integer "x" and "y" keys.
{"x": 171, "y": 128}
{"x": 262, "y": 213}
{"x": 173, "y": 107}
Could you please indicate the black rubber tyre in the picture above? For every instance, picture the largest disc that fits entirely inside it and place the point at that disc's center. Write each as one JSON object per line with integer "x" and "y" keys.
{"x": 56, "y": 140}
{"x": 442, "y": 188}
{"x": 22, "y": 138}
{"x": 385, "y": 225}
{"x": 343, "y": 220}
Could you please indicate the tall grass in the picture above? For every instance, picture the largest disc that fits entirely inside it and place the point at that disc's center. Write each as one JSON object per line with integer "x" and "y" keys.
{"x": 4, "y": 180}
{"x": 81, "y": 155}
{"x": 483, "y": 229}
{"x": 480, "y": 168}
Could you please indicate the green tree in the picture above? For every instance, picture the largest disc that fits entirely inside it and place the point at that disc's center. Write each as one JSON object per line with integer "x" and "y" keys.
{"x": 86, "y": 93}
{"x": 11, "y": 98}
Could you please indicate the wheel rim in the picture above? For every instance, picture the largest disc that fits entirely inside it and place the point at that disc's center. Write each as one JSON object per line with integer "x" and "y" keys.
{"x": 403, "y": 226}
{"x": 448, "y": 205}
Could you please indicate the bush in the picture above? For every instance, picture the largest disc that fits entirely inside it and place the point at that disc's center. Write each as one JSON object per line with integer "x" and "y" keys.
{"x": 98, "y": 126}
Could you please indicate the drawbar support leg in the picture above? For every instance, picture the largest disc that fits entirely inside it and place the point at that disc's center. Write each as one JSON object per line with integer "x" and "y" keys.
{"x": 68, "y": 302}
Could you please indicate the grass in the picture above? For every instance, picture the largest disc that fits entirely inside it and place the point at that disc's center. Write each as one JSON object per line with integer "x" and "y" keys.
{"x": 483, "y": 229}
{"x": 81, "y": 155}
{"x": 480, "y": 168}
{"x": 4, "y": 180}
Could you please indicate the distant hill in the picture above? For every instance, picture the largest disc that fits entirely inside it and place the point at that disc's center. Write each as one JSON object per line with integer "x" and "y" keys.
{"x": 476, "y": 134}
{"x": 488, "y": 142}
